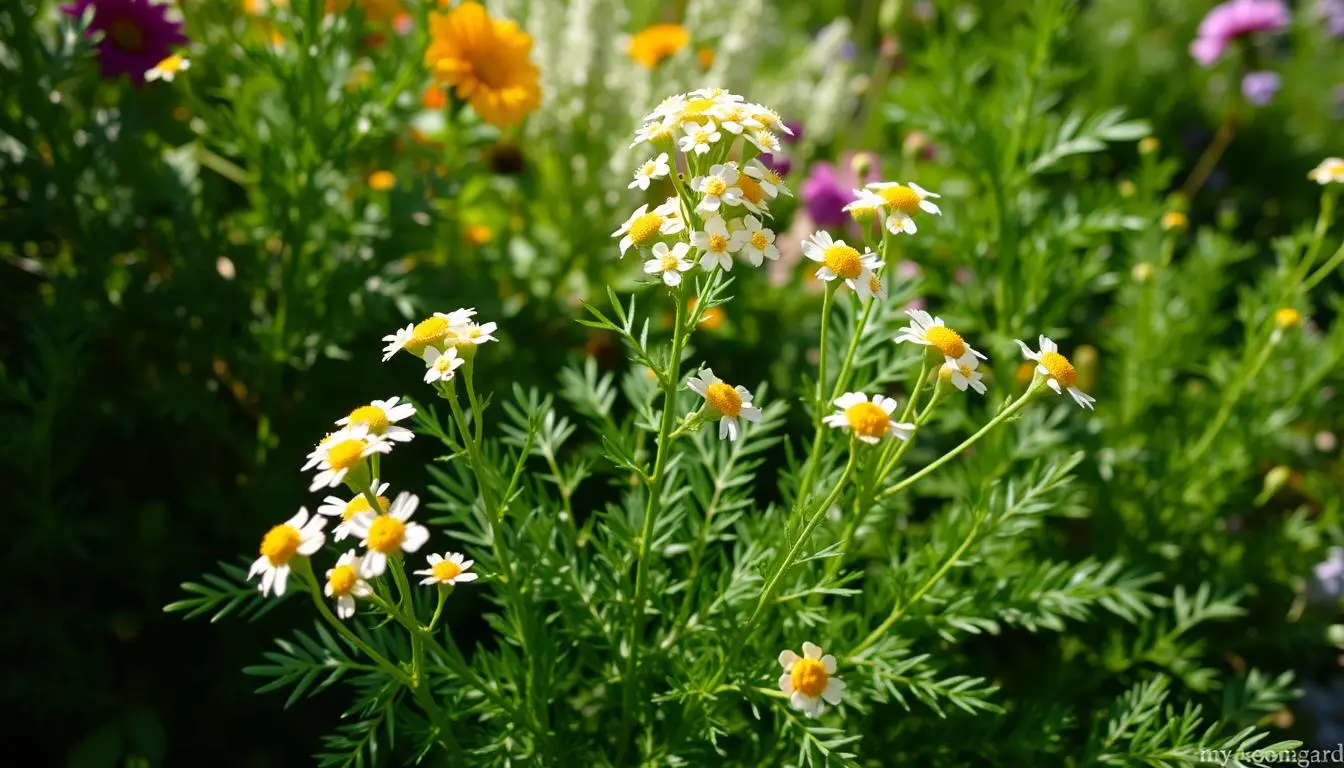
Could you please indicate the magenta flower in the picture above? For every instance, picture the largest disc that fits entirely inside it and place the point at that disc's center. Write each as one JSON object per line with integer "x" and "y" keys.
{"x": 829, "y": 188}
{"x": 137, "y": 34}
{"x": 1233, "y": 19}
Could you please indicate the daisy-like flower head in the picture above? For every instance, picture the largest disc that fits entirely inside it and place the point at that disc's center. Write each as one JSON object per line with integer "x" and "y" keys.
{"x": 699, "y": 138}
{"x": 432, "y": 332}
{"x": 730, "y": 402}
{"x": 471, "y": 335}
{"x": 388, "y": 534}
{"x": 659, "y": 133}
{"x": 299, "y": 535}
{"x": 670, "y": 262}
{"x": 669, "y": 108}
{"x": 769, "y": 119}
{"x": 901, "y": 202}
{"x": 344, "y": 584}
{"x": 717, "y": 188}
{"x": 335, "y": 506}
{"x": 656, "y": 168}
{"x": 764, "y": 140}
{"x": 758, "y": 186}
{"x": 877, "y": 286}
{"x": 1233, "y": 19}
{"x": 447, "y": 570}
{"x": 758, "y": 241}
{"x": 137, "y": 35}
{"x": 736, "y": 118}
{"x": 865, "y": 206}
{"x": 1057, "y": 369}
{"x": 343, "y": 452}
{"x": 810, "y": 680}
{"x": 167, "y": 69}
{"x": 869, "y": 421}
{"x": 963, "y": 374}
{"x": 380, "y": 417}
{"x": 932, "y": 332}
{"x": 645, "y": 226}
{"x": 840, "y": 260}
{"x": 1331, "y": 170}
{"x": 651, "y": 45}
{"x": 717, "y": 243}
{"x": 486, "y": 60}
{"x": 442, "y": 365}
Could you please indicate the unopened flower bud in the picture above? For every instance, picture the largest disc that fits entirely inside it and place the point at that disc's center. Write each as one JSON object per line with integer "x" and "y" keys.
{"x": 1274, "y": 480}
{"x": 861, "y": 164}
{"x": 1287, "y": 317}
{"x": 1141, "y": 272}
{"x": 1175, "y": 220}
{"x": 1148, "y": 145}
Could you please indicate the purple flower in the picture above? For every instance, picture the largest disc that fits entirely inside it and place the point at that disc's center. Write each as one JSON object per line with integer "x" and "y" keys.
{"x": 829, "y": 188}
{"x": 780, "y": 165}
{"x": 796, "y": 128}
{"x": 1327, "y": 584}
{"x": 1332, "y": 13}
{"x": 137, "y": 34}
{"x": 1259, "y": 88}
{"x": 1234, "y": 19}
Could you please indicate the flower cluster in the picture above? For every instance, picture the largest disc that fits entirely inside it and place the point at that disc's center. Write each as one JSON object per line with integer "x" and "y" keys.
{"x": 1233, "y": 19}
{"x": 138, "y": 37}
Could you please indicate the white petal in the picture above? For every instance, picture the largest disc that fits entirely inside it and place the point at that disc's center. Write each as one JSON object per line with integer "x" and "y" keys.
{"x": 849, "y": 398}
{"x": 828, "y": 664}
{"x": 1051, "y": 383}
{"x": 373, "y": 565}
{"x": 811, "y": 650}
{"x": 786, "y": 682}
{"x": 786, "y": 659}
{"x": 466, "y": 577}
{"x": 415, "y": 538}
{"x": 750, "y": 414}
{"x": 833, "y": 691}
{"x": 281, "y": 579}
{"x": 1026, "y": 351}
{"x": 801, "y": 701}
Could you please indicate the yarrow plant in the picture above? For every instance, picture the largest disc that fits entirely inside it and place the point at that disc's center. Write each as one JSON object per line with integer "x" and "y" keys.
{"x": 645, "y": 627}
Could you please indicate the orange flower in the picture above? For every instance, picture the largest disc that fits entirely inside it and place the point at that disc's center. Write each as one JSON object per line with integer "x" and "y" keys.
{"x": 434, "y": 98}
{"x": 705, "y": 57}
{"x": 375, "y": 11}
{"x": 382, "y": 180}
{"x": 479, "y": 234}
{"x": 486, "y": 61}
{"x": 652, "y": 44}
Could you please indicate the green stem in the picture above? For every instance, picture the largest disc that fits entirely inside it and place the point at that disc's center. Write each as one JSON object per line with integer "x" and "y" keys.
{"x": 899, "y": 609}
{"x": 1003, "y": 416}
{"x": 842, "y": 380}
{"x": 654, "y": 489}
{"x": 304, "y": 568}
{"x": 1230, "y": 398}
{"x": 1325, "y": 269}
{"x": 819, "y": 406}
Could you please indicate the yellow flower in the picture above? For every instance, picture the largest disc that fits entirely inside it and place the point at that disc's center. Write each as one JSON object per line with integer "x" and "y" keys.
{"x": 651, "y": 45}
{"x": 1175, "y": 220}
{"x": 479, "y": 234}
{"x": 1287, "y": 318}
{"x": 486, "y": 61}
{"x": 382, "y": 180}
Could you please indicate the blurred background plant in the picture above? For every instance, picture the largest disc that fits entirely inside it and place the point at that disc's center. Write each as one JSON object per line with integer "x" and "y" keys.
{"x": 196, "y": 272}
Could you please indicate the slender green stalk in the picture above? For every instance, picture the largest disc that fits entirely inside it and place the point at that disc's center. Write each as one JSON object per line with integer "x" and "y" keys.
{"x": 653, "y": 503}
{"x": 304, "y": 568}
{"x": 1230, "y": 399}
{"x": 842, "y": 380}
{"x": 1003, "y": 416}
{"x": 819, "y": 404}
{"x": 1325, "y": 269}
{"x": 899, "y": 609}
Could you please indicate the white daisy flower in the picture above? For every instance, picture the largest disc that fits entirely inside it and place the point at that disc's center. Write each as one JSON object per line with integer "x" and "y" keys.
{"x": 656, "y": 168}
{"x": 764, "y": 140}
{"x": 668, "y": 107}
{"x": 299, "y": 535}
{"x": 335, "y": 506}
{"x": 877, "y": 286}
{"x": 809, "y": 680}
{"x": 901, "y": 201}
{"x": 717, "y": 188}
{"x": 730, "y": 402}
{"x": 167, "y": 69}
{"x": 759, "y": 241}
{"x": 381, "y": 417}
{"x": 1331, "y": 170}
{"x": 671, "y": 262}
{"x": 767, "y": 179}
{"x": 657, "y": 132}
{"x": 699, "y": 137}
{"x": 840, "y": 260}
{"x": 442, "y": 365}
{"x": 769, "y": 118}
{"x": 962, "y": 373}
{"x": 388, "y": 534}
{"x": 447, "y": 570}
{"x": 430, "y": 332}
{"x": 930, "y": 331}
{"x": 644, "y": 226}
{"x": 1058, "y": 369}
{"x": 344, "y": 584}
{"x": 865, "y": 203}
{"x": 458, "y": 317}
{"x": 736, "y": 118}
{"x": 717, "y": 243}
{"x": 342, "y": 452}
{"x": 472, "y": 334}
{"x": 869, "y": 421}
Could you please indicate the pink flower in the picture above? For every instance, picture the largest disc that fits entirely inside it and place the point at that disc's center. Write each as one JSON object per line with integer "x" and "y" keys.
{"x": 137, "y": 34}
{"x": 1233, "y": 19}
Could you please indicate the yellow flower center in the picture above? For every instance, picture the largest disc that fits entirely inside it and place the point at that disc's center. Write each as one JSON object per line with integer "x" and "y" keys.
{"x": 724, "y": 399}
{"x": 759, "y": 241}
{"x": 702, "y": 136}
{"x": 1060, "y": 368}
{"x": 372, "y": 416}
{"x": 443, "y": 364}
{"x": 126, "y": 35}
{"x": 342, "y": 580}
{"x": 386, "y": 533}
{"x": 1287, "y": 318}
{"x": 773, "y": 177}
{"x": 867, "y": 420}
{"x": 645, "y": 228}
{"x": 361, "y": 504}
{"x": 648, "y": 169}
{"x": 670, "y": 263}
{"x": 446, "y": 569}
{"x": 901, "y": 198}
{"x": 875, "y": 284}
{"x": 809, "y": 677}
{"x": 752, "y": 191}
{"x": 172, "y": 64}
{"x": 947, "y": 341}
{"x": 280, "y": 544}
{"x": 345, "y": 454}
{"x": 718, "y": 243}
{"x": 427, "y": 332}
{"x": 697, "y": 107}
{"x": 843, "y": 261}
{"x": 715, "y": 186}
